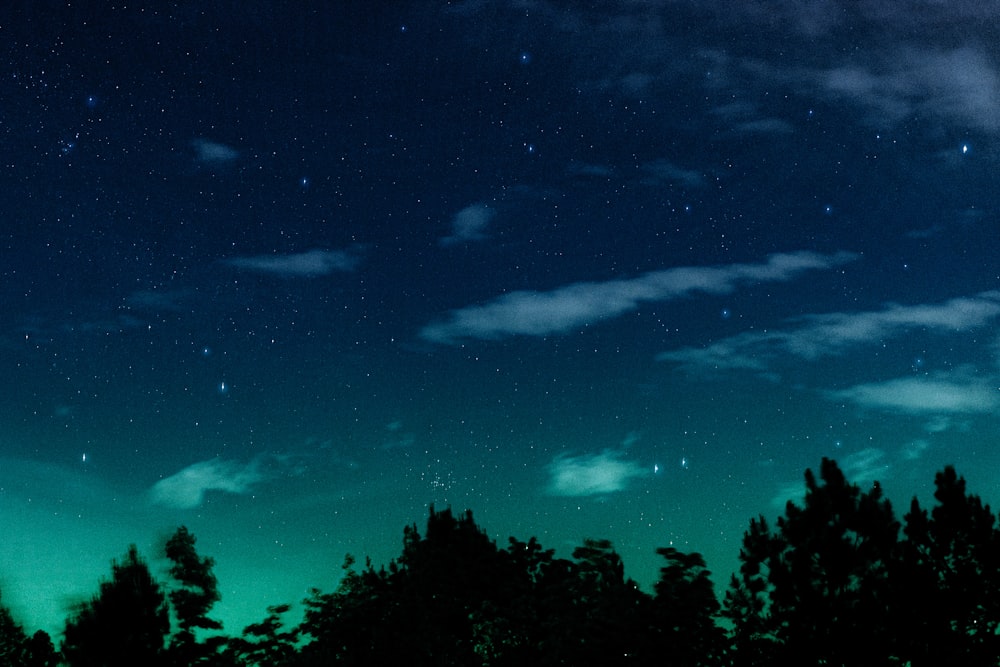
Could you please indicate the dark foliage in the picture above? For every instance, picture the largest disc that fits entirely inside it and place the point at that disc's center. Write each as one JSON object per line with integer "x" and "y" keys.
{"x": 192, "y": 597}
{"x": 949, "y": 589}
{"x": 445, "y": 601}
{"x": 126, "y": 623}
{"x": 825, "y": 574}
{"x": 265, "y": 644}
{"x": 834, "y": 582}
{"x": 17, "y": 649}
{"x": 455, "y": 598}
{"x": 684, "y": 611}
{"x": 835, "y": 585}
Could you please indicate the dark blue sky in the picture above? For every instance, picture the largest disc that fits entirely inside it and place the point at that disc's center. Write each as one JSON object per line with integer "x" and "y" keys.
{"x": 289, "y": 276}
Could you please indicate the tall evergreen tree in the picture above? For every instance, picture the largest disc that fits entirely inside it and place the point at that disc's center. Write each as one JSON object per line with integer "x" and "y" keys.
{"x": 192, "y": 597}
{"x": 125, "y": 624}
{"x": 747, "y": 605}
{"x": 827, "y": 575}
{"x": 949, "y": 588}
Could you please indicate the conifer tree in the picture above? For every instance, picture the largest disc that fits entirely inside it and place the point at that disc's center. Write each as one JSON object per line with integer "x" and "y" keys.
{"x": 949, "y": 589}
{"x": 126, "y": 623}
{"x": 825, "y": 578}
{"x": 192, "y": 598}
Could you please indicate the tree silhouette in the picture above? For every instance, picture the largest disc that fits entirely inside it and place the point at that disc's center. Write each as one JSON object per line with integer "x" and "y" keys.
{"x": 39, "y": 651}
{"x": 830, "y": 582}
{"x": 12, "y": 639}
{"x": 422, "y": 609}
{"x": 753, "y": 637}
{"x": 195, "y": 592}
{"x": 596, "y": 614}
{"x": 684, "y": 612}
{"x": 454, "y": 598}
{"x": 126, "y": 623}
{"x": 19, "y": 650}
{"x": 351, "y": 623}
{"x": 265, "y": 644}
{"x": 817, "y": 592}
{"x": 950, "y": 585}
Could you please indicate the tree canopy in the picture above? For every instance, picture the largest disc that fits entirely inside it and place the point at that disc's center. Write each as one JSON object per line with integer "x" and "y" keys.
{"x": 126, "y": 623}
{"x": 836, "y": 579}
{"x": 836, "y": 584}
{"x": 195, "y": 591}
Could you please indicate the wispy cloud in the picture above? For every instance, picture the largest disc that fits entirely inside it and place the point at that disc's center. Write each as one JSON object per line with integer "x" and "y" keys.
{"x": 298, "y": 265}
{"x": 834, "y": 333}
{"x": 746, "y": 119}
{"x": 470, "y": 224}
{"x": 924, "y": 395}
{"x": 865, "y": 466}
{"x": 915, "y": 449}
{"x": 591, "y": 474}
{"x": 532, "y": 313}
{"x": 960, "y": 85}
{"x": 213, "y": 152}
{"x": 187, "y": 488}
{"x": 157, "y": 300}
{"x": 589, "y": 170}
{"x": 663, "y": 170}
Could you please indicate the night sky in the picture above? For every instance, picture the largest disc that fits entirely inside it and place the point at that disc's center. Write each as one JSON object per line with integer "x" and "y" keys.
{"x": 290, "y": 273}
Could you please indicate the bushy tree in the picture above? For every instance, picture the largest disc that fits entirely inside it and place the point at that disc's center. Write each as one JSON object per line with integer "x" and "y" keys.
{"x": 126, "y": 623}
{"x": 352, "y": 622}
{"x": 594, "y": 614}
{"x": 684, "y": 612}
{"x": 454, "y": 598}
{"x": 39, "y": 651}
{"x": 421, "y": 610}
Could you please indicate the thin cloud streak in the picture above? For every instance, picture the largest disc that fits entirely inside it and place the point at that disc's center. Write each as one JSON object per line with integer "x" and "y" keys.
{"x": 212, "y": 152}
{"x": 961, "y": 85}
{"x": 307, "y": 264}
{"x": 831, "y": 334}
{"x": 533, "y": 313}
{"x": 923, "y": 395}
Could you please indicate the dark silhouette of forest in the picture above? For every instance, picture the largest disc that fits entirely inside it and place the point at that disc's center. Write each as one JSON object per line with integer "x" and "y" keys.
{"x": 837, "y": 580}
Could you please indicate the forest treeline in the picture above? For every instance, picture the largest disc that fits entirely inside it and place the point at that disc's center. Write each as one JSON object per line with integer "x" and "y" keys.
{"x": 837, "y": 580}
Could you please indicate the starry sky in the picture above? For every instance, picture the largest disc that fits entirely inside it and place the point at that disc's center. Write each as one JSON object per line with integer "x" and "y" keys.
{"x": 290, "y": 275}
